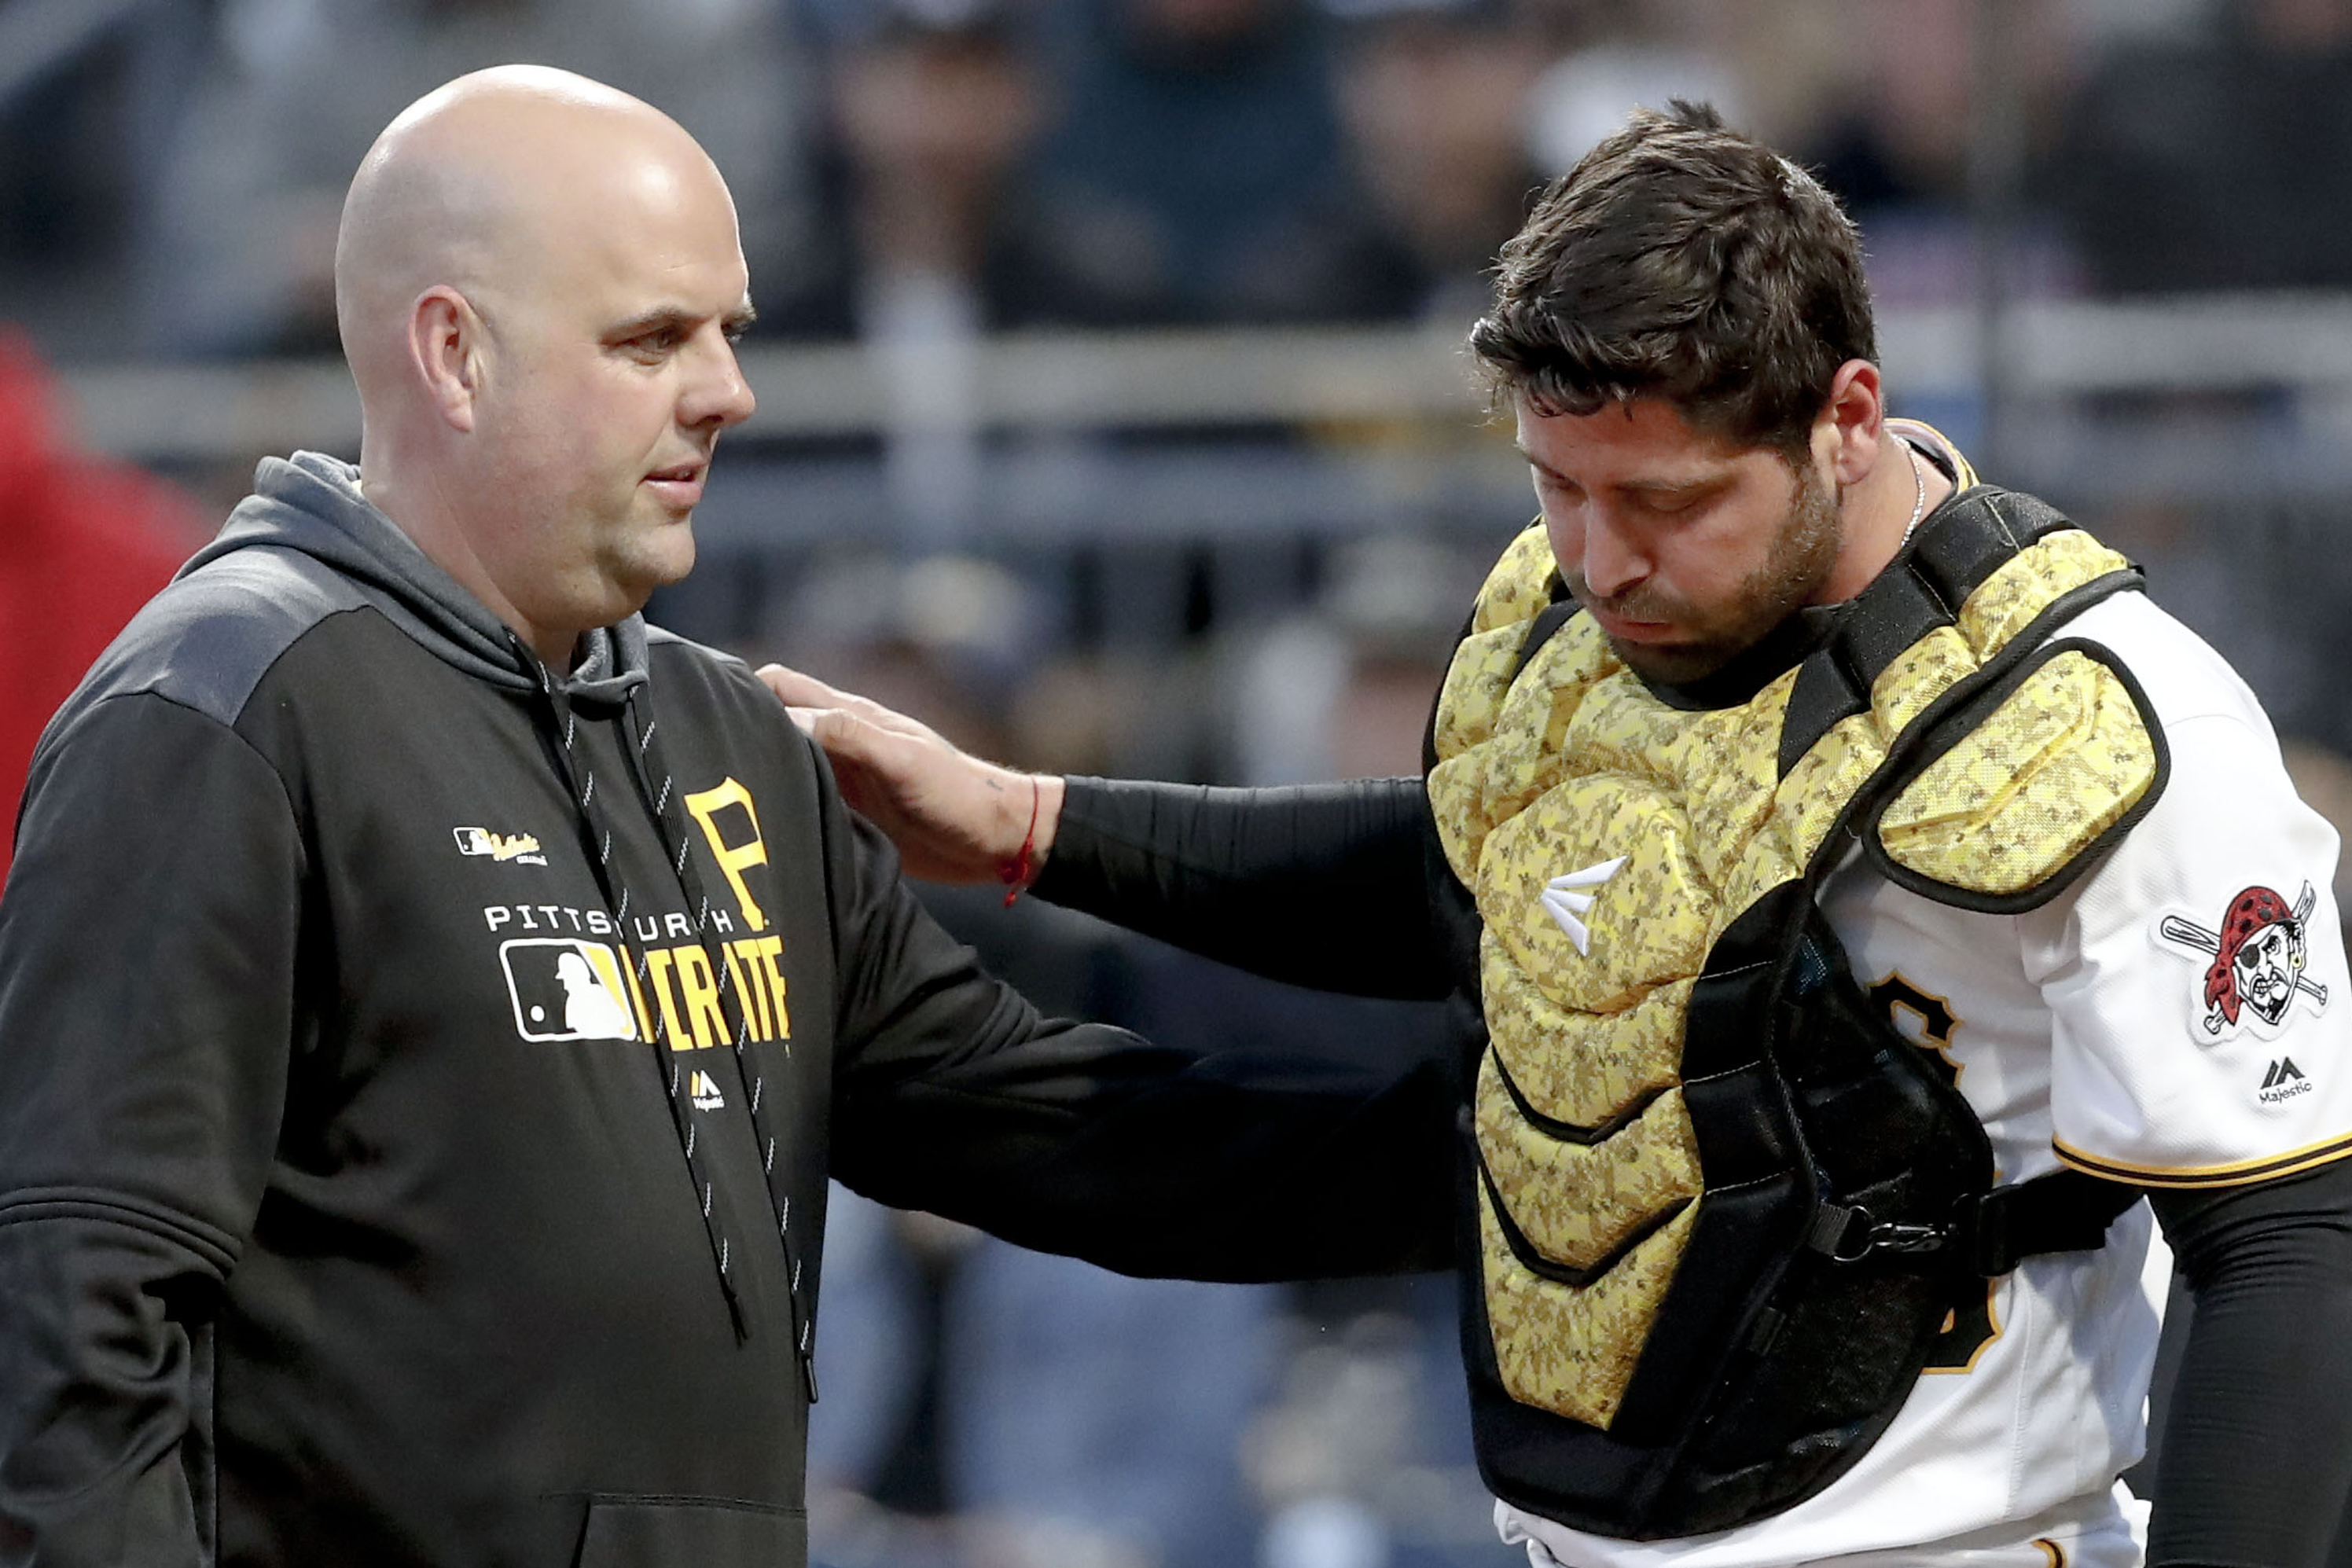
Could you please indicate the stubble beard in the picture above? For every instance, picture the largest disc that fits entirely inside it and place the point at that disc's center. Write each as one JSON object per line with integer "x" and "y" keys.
{"x": 1803, "y": 552}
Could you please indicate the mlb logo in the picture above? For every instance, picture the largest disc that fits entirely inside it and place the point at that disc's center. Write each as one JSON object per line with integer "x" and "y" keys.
{"x": 567, "y": 990}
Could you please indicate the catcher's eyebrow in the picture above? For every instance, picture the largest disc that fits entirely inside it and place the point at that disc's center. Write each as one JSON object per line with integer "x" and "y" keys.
{"x": 1692, "y": 485}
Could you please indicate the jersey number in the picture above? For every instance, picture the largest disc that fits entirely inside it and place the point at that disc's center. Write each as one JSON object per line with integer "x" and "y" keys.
{"x": 1966, "y": 1329}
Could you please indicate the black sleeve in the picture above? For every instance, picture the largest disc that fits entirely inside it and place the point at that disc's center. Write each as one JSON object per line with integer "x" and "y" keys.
{"x": 1323, "y": 885}
{"x": 952, "y": 1094}
{"x": 2254, "y": 1465}
{"x": 147, "y": 964}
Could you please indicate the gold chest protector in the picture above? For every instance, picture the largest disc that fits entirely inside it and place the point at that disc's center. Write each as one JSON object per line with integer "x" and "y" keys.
{"x": 1609, "y": 837}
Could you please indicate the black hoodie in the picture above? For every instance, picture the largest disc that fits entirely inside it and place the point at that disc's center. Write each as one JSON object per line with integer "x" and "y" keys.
{"x": 419, "y": 1077}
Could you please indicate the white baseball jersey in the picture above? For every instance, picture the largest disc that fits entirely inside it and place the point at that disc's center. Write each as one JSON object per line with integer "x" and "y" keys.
{"x": 2179, "y": 1018}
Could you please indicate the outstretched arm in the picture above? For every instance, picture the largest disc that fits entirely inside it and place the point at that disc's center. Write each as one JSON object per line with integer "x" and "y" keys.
{"x": 1324, "y": 885}
{"x": 2255, "y": 1464}
{"x": 952, "y": 1094}
{"x": 1318, "y": 884}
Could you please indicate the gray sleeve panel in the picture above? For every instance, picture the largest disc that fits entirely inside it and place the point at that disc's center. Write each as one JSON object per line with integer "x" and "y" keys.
{"x": 206, "y": 641}
{"x": 662, "y": 637}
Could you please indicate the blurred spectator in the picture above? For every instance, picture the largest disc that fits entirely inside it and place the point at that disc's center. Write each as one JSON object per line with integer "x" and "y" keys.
{"x": 293, "y": 92}
{"x": 88, "y": 97}
{"x": 1891, "y": 130}
{"x": 1085, "y": 1408}
{"x": 83, "y": 544}
{"x": 1344, "y": 690}
{"x": 2218, "y": 160}
{"x": 1363, "y": 1458}
{"x": 1893, "y": 140}
{"x": 932, "y": 100}
{"x": 1627, "y": 54}
{"x": 1433, "y": 94}
{"x": 1193, "y": 172}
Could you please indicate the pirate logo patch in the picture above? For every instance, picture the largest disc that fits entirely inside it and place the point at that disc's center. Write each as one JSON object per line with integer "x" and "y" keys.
{"x": 2257, "y": 961}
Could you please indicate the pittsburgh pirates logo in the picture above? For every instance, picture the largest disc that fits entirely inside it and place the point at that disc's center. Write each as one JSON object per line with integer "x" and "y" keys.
{"x": 1925, "y": 1020}
{"x": 2258, "y": 956}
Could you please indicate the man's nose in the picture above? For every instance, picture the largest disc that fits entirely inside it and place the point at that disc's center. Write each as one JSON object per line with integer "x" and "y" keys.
{"x": 717, "y": 395}
{"x": 1613, "y": 564}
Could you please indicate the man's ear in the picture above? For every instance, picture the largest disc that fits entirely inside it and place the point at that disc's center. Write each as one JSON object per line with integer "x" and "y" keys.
{"x": 1845, "y": 435}
{"x": 446, "y": 344}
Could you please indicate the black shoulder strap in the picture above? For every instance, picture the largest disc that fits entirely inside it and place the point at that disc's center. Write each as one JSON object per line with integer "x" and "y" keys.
{"x": 1546, "y": 626}
{"x": 1963, "y": 543}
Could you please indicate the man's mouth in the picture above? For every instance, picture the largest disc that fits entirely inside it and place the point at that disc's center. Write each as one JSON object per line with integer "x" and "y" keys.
{"x": 1626, "y": 628}
{"x": 680, "y": 484}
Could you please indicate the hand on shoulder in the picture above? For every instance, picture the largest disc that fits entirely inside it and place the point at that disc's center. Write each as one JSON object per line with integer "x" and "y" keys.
{"x": 955, "y": 818}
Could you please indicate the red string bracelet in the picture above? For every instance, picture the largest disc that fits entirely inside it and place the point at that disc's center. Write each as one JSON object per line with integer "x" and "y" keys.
{"x": 1019, "y": 871}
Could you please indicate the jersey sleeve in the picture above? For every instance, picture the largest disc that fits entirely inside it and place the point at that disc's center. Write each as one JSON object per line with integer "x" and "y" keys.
{"x": 147, "y": 985}
{"x": 2201, "y": 1011}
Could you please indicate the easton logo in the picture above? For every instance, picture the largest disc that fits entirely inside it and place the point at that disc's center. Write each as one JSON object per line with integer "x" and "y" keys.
{"x": 1565, "y": 900}
{"x": 522, "y": 849}
{"x": 2285, "y": 1080}
{"x": 2257, "y": 955}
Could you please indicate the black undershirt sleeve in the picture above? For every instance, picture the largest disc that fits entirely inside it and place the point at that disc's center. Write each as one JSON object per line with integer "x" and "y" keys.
{"x": 1324, "y": 885}
{"x": 2255, "y": 1462}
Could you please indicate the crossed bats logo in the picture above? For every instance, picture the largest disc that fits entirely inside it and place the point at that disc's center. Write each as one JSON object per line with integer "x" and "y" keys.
{"x": 2258, "y": 956}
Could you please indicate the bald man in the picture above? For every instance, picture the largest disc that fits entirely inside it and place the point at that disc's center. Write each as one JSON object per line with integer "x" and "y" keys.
{"x": 432, "y": 1002}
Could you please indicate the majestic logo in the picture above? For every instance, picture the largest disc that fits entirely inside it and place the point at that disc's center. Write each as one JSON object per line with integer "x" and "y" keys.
{"x": 521, "y": 848}
{"x": 567, "y": 990}
{"x": 2285, "y": 1080}
{"x": 1565, "y": 900}
{"x": 2258, "y": 957}
{"x": 705, "y": 1090}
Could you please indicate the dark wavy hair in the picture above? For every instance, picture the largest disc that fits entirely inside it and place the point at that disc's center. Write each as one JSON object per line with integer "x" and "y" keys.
{"x": 1684, "y": 261}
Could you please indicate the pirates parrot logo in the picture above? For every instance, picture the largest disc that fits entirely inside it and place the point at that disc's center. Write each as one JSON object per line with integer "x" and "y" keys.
{"x": 2257, "y": 960}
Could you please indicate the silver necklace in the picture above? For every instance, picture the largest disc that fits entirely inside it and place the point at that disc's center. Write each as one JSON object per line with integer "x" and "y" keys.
{"x": 1920, "y": 502}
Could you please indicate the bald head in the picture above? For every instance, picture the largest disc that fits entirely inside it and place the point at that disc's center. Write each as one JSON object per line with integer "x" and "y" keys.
{"x": 538, "y": 281}
{"x": 479, "y": 182}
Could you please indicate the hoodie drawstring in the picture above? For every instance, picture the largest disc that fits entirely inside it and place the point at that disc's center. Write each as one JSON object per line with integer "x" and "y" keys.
{"x": 581, "y": 779}
{"x": 668, "y": 811}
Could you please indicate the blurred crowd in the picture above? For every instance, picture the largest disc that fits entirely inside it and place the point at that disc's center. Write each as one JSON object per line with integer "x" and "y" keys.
{"x": 917, "y": 173}
{"x": 914, "y": 170}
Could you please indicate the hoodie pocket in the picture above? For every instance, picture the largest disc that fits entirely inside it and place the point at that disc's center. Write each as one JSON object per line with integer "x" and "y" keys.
{"x": 691, "y": 1532}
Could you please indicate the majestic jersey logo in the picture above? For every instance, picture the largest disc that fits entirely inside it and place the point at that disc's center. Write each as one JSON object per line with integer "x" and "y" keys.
{"x": 1566, "y": 902}
{"x": 2285, "y": 1080}
{"x": 705, "y": 1090}
{"x": 521, "y": 848}
{"x": 563, "y": 989}
{"x": 2257, "y": 960}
